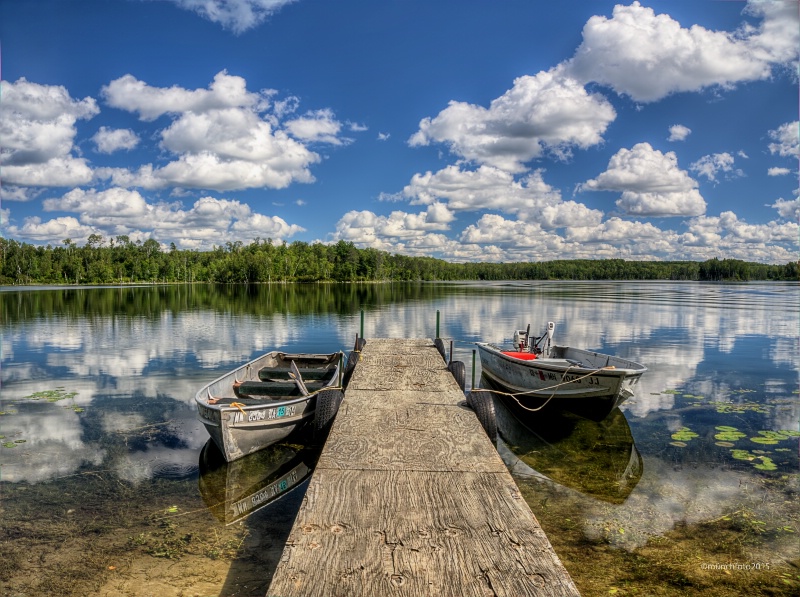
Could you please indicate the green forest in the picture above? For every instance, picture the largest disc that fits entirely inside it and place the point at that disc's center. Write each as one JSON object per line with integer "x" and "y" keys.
{"x": 120, "y": 261}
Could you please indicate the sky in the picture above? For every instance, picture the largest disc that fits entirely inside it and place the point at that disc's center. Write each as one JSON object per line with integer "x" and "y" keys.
{"x": 466, "y": 130}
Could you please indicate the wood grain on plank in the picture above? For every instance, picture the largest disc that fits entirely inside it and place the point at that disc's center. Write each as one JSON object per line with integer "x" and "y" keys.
{"x": 411, "y": 435}
{"x": 411, "y": 533}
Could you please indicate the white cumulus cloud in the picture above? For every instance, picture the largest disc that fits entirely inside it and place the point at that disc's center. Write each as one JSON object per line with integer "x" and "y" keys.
{"x": 225, "y": 138}
{"x": 711, "y": 165}
{"x": 236, "y": 15}
{"x": 788, "y": 209}
{"x": 488, "y": 188}
{"x": 319, "y": 126}
{"x": 778, "y": 171}
{"x": 648, "y": 56}
{"x": 15, "y": 193}
{"x": 37, "y": 135}
{"x": 786, "y": 140}
{"x": 651, "y": 183}
{"x": 728, "y": 232}
{"x": 110, "y": 140}
{"x": 52, "y": 231}
{"x": 678, "y": 132}
{"x": 548, "y": 112}
{"x": 209, "y": 221}
{"x": 370, "y": 229}
{"x": 226, "y": 91}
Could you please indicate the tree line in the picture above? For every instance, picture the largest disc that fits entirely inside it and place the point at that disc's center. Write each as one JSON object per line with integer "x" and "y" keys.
{"x": 119, "y": 260}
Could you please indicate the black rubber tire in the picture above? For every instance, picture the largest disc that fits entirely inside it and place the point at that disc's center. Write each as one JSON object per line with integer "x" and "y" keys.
{"x": 439, "y": 344}
{"x": 483, "y": 405}
{"x": 352, "y": 360}
{"x": 459, "y": 371}
{"x": 328, "y": 402}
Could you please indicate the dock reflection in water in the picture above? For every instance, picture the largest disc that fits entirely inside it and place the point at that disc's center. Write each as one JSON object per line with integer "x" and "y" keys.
{"x": 598, "y": 459}
{"x": 234, "y": 490}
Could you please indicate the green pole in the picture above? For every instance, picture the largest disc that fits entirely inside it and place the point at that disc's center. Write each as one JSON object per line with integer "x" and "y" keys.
{"x": 362, "y": 323}
{"x": 437, "y": 323}
{"x": 473, "y": 367}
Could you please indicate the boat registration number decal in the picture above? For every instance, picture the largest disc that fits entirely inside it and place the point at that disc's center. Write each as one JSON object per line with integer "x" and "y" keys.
{"x": 272, "y": 413}
{"x": 591, "y": 380}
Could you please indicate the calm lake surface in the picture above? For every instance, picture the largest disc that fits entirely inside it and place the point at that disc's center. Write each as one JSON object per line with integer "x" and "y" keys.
{"x": 108, "y": 485}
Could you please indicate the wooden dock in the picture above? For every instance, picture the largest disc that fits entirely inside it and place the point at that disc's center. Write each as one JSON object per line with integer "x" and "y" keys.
{"x": 410, "y": 497}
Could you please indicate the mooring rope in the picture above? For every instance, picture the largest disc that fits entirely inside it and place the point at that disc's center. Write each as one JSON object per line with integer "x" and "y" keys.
{"x": 554, "y": 388}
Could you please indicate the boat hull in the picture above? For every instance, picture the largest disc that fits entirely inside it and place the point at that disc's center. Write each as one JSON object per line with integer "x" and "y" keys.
{"x": 584, "y": 382}
{"x": 242, "y": 425}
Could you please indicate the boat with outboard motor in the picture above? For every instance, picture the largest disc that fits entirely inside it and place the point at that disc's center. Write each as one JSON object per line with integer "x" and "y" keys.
{"x": 537, "y": 374}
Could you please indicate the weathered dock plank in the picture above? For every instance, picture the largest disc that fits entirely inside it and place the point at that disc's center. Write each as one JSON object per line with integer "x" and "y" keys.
{"x": 410, "y": 498}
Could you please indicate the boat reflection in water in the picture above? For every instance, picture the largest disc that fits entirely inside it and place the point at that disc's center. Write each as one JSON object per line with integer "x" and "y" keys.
{"x": 598, "y": 459}
{"x": 234, "y": 490}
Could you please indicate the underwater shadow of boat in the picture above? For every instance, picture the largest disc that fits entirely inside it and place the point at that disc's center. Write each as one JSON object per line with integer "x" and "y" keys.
{"x": 232, "y": 491}
{"x": 598, "y": 459}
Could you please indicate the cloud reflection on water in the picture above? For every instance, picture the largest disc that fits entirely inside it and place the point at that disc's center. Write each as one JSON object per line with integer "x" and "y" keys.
{"x": 166, "y": 355}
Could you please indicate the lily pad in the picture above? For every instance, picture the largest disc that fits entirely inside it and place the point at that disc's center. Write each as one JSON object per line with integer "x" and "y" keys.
{"x": 766, "y": 464}
{"x": 20, "y": 441}
{"x": 684, "y": 434}
{"x": 730, "y": 436}
{"x": 742, "y": 455}
{"x": 9, "y": 445}
{"x": 725, "y": 444}
{"x": 727, "y": 407}
{"x": 678, "y": 444}
{"x": 770, "y": 437}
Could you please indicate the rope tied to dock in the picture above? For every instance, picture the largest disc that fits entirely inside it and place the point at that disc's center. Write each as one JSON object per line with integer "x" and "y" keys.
{"x": 552, "y": 395}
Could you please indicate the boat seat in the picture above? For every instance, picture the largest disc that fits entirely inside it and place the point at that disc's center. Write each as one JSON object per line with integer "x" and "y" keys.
{"x": 272, "y": 389}
{"x": 282, "y": 374}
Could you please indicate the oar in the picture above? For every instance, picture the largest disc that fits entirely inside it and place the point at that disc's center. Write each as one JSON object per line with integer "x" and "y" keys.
{"x": 298, "y": 379}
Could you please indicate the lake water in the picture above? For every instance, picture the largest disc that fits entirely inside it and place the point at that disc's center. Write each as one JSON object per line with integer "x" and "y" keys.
{"x": 108, "y": 485}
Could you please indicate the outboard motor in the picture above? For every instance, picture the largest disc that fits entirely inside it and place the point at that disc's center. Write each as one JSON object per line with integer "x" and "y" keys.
{"x": 551, "y": 327}
{"x": 521, "y": 339}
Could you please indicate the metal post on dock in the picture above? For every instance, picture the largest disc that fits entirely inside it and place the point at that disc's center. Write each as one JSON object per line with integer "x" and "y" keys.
{"x": 451, "y": 351}
{"x": 437, "y": 323}
{"x": 362, "y": 323}
{"x": 473, "y": 369}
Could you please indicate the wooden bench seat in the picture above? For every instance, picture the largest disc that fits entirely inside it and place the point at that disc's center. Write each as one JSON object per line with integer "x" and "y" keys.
{"x": 282, "y": 374}
{"x": 272, "y": 389}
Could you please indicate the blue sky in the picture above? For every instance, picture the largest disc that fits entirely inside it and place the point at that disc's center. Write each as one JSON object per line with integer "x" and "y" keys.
{"x": 468, "y": 130}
